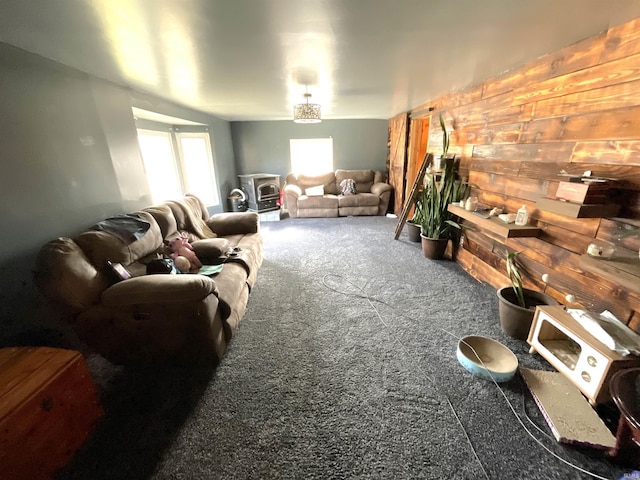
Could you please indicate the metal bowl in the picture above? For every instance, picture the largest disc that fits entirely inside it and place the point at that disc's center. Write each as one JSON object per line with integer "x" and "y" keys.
{"x": 487, "y": 358}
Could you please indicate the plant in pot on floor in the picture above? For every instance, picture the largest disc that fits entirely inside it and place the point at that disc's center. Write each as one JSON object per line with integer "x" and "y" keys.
{"x": 517, "y": 304}
{"x": 414, "y": 225}
{"x": 436, "y": 222}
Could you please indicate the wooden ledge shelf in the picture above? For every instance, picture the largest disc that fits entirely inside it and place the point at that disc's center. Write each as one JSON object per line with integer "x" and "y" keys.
{"x": 495, "y": 225}
{"x": 623, "y": 268}
{"x": 577, "y": 210}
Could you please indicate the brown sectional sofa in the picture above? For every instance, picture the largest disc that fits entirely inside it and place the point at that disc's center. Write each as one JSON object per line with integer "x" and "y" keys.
{"x": 321, "y": 195}
{"x": 147, "y": 319}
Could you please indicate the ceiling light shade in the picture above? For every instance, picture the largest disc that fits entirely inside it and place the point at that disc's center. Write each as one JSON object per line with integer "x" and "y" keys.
{"x": 306, "y": 112}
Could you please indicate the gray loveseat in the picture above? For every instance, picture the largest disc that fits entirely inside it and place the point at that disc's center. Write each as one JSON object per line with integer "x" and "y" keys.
{"x": 322, "y": 195}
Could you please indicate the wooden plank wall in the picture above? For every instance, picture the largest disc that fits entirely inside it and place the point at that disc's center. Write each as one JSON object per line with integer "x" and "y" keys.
{"x": 576, "y": 109}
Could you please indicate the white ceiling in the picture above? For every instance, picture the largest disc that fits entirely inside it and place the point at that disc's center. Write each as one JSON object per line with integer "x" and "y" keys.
{"x": 251, "y": 59}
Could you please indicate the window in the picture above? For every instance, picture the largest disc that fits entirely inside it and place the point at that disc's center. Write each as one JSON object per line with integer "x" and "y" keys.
{"x": 177, "y": 163}
{"x": 195, "y": 152}
{"x": 159, "y": 162}
{"x": 311, "y": 156}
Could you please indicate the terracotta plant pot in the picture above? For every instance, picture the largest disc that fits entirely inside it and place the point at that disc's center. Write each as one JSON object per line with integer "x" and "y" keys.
{"x": 516, "y": 321}
{"x": 413, "y": 230}
{"x": 433, "y": 248}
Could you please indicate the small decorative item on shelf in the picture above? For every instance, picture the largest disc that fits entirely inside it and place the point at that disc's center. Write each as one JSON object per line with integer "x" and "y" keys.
{"x": 495, "y": 211}
{"x": 507, "y": 217}
{"x": 471, "y": 204}
{"x": 522, "y": 216}
{"x": 601, "y": 249}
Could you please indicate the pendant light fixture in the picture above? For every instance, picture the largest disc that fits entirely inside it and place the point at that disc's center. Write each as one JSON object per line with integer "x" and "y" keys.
{"x": 306, "y": 112}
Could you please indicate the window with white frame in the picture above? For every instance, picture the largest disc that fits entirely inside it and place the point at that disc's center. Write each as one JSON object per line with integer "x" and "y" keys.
{"x": 160, "y": 165}
{"x": 177, "y": 163}
{"x": 197, "y": 165}
{"x": 311, "y": 156}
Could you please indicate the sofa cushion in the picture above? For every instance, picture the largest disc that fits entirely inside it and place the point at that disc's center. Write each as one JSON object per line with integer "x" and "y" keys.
{"x": 359, "y": 200}
{"x": 66, "y": 277}
{"x": 159, "y": 289}
{"x": 229, "y": 223}
{"x": 210, "y": 249}
{"x": 190, "y": 217}
{"x": 164, "y": 218}
{"x": 197, "y": 205}
{"x": 363, "y": 178}
{"x": 325, "y": 201}
{"x": 101, "y": 246}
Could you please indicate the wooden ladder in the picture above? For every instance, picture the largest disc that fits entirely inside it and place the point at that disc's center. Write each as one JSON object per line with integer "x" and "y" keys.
{"x": 428, "y": 158}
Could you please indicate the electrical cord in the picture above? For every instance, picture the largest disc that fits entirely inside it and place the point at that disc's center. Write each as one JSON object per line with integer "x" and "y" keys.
{"x": 370, "y": 300}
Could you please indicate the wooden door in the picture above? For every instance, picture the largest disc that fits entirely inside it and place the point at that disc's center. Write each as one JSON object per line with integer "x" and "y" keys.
{"x": 397, "y": 161}
{"x": 418, "y": 144}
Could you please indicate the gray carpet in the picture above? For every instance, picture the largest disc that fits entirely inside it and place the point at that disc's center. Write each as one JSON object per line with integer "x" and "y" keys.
{"x": 344, "y": 366}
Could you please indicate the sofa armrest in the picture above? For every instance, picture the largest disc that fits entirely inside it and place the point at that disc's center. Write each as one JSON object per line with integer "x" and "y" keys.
{"x": 380, "y": 187}
{"x": 155, "y": 289}
{"x": 294, "y": 190}
{"x": 224, "y": 224}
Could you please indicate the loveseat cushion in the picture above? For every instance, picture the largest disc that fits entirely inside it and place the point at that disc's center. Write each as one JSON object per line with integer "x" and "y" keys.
{"x": 360, "y": 200}
{"x": 363, "y": 179}
{"x": 101, "y": 246}
{"x": 325, "y": 201}
{"x": 327, "y": 180}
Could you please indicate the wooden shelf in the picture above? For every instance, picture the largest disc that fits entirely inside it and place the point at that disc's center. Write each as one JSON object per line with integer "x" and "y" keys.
{"x": 495, "y": 225}
{"x": 577, "y": 210}
{"x": 623, "y": 268}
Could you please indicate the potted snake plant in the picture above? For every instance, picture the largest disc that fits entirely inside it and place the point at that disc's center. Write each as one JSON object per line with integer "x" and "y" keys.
{"x": 517, "y": 304}
{"x": 436, "y": 222}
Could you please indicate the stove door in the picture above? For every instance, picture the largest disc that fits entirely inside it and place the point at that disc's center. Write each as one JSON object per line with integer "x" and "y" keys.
{"x": 268, "y": 191}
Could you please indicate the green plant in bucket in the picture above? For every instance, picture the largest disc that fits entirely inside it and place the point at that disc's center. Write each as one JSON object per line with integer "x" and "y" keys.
{"x": 431, "y": 208}
{"x": 515, "y": 277}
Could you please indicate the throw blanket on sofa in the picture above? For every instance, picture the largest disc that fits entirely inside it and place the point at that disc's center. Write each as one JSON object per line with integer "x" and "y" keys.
{"x": 127, "y": 228}
{"x": 188, "y": 220}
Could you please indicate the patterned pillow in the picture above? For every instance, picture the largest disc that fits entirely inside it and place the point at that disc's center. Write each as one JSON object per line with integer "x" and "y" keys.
{"x": 348, "y": 186}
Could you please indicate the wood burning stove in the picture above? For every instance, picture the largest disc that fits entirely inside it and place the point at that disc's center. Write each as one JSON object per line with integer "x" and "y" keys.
{"x": 262, "y": 191}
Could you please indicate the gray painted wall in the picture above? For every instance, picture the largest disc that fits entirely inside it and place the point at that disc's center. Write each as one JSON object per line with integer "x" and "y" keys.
{"x": 263, "y": 147}
{"x": 70, "y": 157}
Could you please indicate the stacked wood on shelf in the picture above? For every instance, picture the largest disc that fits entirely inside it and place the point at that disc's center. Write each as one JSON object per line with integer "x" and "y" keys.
{"x": 570, "y": 111}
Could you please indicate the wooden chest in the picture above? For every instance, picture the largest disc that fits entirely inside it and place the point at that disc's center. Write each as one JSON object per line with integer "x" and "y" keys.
{"x": 48, "y": 406}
